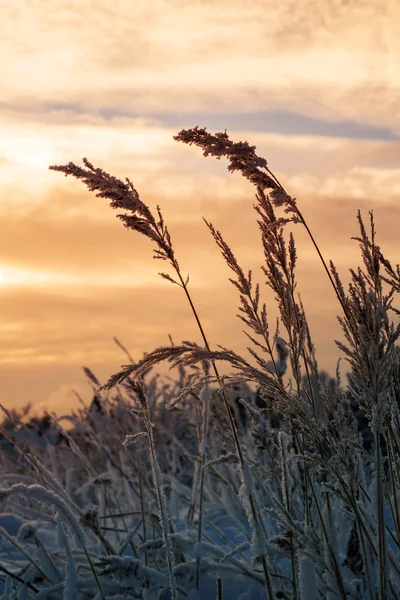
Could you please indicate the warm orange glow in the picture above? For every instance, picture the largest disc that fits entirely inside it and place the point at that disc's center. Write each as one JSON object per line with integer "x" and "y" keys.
{"x": 315, "y": 88}
{"x": 12, "y": 277}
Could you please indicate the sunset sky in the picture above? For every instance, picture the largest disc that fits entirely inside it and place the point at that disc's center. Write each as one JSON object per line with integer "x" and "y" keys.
{"x": 313, "y": 84}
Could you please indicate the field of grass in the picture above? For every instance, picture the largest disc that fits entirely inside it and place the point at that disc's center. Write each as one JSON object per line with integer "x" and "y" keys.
{"x": 208, "y": 486}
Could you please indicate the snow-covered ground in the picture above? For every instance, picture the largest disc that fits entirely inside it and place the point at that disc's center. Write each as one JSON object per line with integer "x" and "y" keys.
{"x": 71, "y": 514}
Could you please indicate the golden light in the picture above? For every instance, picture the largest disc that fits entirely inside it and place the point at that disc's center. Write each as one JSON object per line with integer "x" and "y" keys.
{"x": 16, "y": 277}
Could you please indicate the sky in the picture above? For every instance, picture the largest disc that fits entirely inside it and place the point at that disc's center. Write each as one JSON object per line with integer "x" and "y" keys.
{"x": 313, "y": 84}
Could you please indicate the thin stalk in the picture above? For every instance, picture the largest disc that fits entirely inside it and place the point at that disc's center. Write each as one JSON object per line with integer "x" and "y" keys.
{"x": 11, "y": 540}
{"x": 382, "y": 558}
{"x": 268, "y": 582}
{"x": 142, "y": 508}
{"x": 162, "y": 507}
{"x": 202, "y": 457}
{"x": 394, "y": 481}
{"x": 366, "y": 562}
{"x": 192, "y": 507}
{"x": 323, "y": 262}
{"x": 30, "y": 457}
{"x": 94, "y": 574}
{"x": 19, "y": 579}
{"x": 363, "y": 527}
{"x": 219, "y": 589}
{"x": 335, "y": 565}
{"x": 325, "y": 533}
{"x": 287, "y": 504}
{"x": 303, "y": 221}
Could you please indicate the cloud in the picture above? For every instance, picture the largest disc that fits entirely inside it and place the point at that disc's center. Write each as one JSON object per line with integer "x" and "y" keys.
{"x": 278, "y": 121}
{"x": 72, "y": 238}
{"x": 331, "y": 61}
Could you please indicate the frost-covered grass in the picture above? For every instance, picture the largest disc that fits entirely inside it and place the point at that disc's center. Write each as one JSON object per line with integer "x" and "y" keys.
{"x": 272, "y": 482}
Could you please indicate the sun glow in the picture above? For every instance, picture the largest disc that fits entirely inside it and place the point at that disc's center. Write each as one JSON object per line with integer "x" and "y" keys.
{"x": 20, "y": 277}
{"x": 12, "y": 277}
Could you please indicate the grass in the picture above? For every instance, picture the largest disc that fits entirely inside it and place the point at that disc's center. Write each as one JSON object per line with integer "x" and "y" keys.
{"x": 240, "y": 486}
